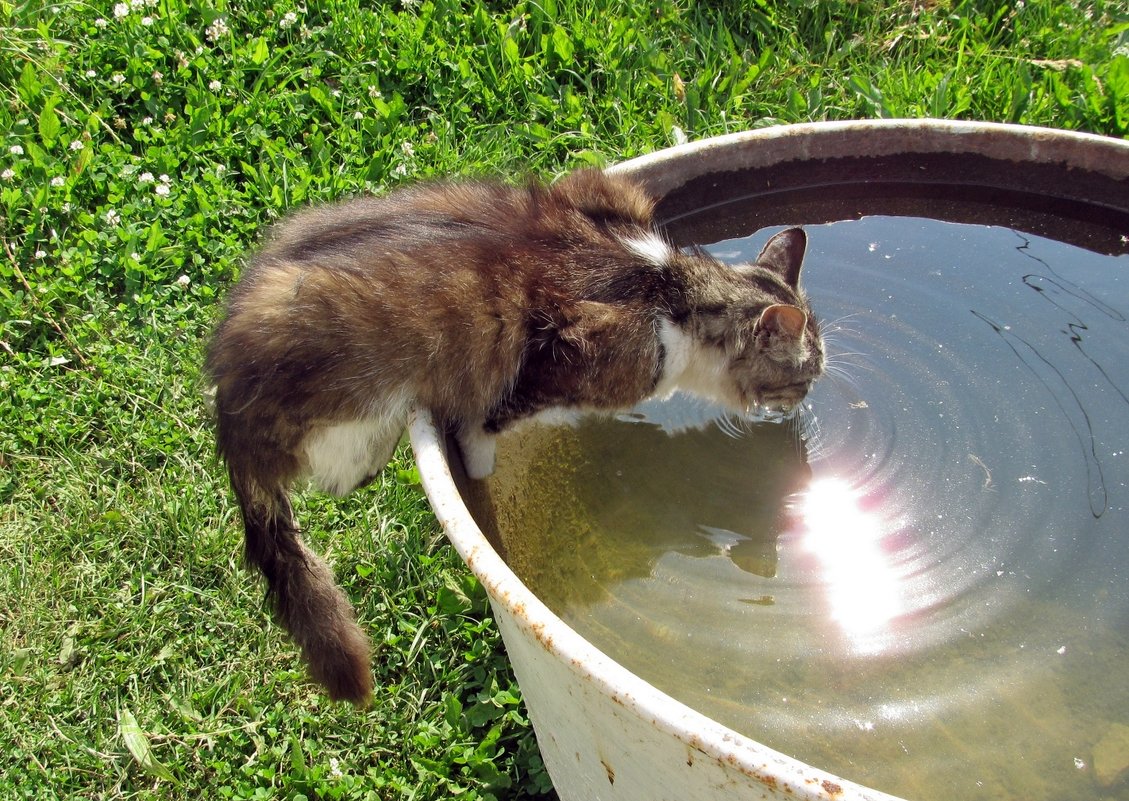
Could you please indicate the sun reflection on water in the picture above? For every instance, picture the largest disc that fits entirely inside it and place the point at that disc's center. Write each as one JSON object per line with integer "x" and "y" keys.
{"x": 863, "y": 585}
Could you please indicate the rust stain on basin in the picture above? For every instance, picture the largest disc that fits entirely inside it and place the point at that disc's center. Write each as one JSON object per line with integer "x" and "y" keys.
{"x": 609, "y": 771}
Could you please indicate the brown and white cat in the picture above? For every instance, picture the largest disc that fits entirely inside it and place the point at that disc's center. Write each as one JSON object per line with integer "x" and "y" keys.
{"x": 484, "y": 303}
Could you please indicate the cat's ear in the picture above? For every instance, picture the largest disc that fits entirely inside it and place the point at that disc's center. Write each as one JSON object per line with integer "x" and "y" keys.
{"x": 785, "y": 320}
{"x": 784, "y": 255}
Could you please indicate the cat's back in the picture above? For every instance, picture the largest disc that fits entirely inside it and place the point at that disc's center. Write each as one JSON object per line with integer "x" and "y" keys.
{"x": 379, "y": 268}
{"x": 436, "y": 285}
{"x": 359, "y": 231}
{"x": 463, "y": 216}
{"x": 441, "y": 253}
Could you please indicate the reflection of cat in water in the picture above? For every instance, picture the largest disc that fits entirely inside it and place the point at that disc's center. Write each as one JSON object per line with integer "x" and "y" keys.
{"x": 577, "y": 510}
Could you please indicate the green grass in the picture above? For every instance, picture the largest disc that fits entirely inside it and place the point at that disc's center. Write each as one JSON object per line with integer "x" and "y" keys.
{"x": 144, "y": 146}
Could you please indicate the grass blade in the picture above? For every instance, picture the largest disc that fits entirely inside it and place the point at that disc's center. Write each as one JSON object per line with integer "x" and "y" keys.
{"x": 137, "y": 742}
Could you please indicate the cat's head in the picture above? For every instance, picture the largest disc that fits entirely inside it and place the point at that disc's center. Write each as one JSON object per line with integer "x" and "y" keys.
{"x": 772, "y": 350}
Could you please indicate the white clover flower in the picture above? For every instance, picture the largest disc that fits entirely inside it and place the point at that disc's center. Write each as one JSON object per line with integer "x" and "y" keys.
{"x": 136, "y": 257}
{"x": 217, "y": 29}
{"x": 407, "y": 148}
{"x": 335, "y": 769}
{"x": 137, "y": 3}
{"x": 288, "y": 20}
{"x": 76, "y": 144}
{"x": 112, "y": 217}
{"x": 145, "y": 178}
{"x": 91, "y": 74}
{"x": 41, "y": 254}
{"x": 162, "y": 190}
{"x": 58, "y": 180}
{"x": 215, "y": 86}
{"x": 146, "y": 121}
{"x": 374, "y": 93}
{"x": 164, "y": 178}
{"x": 184, "y": 280}
{"x": 400, "y": 170}
{"x": 16, "y": 150}
{"x": 8, "y": 174}
{"x": 358, "y": 115}
{"x": 117, "y": 79}
{"x": 146, "y": 21}
{"x": 100, "y": 23}
{"x": 121, "y": 10}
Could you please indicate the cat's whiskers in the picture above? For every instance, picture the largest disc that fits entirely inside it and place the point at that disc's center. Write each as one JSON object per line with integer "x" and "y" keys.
{"x": 832, "y": 339}
{"x": 834, "y": 326}
{"x": 840, "y": 370}
{"x": 732, "y": 425}
{"x": 839, "y": 364}
{"x": 809, "y": 434}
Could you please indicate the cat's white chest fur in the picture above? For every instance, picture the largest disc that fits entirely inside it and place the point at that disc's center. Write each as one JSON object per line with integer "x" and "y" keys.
{"x": 687, "y": 364}
{"x": 690, "y": 366}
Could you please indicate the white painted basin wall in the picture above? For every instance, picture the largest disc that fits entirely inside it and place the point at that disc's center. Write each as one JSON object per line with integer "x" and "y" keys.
{"x": 604, "y": 733}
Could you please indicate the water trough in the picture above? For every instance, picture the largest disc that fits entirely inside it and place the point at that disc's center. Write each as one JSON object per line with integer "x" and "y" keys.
{"x": 604, "y": 732}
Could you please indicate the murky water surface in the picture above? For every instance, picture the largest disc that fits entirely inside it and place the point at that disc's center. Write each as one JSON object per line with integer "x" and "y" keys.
{"x": 921, "y": 585}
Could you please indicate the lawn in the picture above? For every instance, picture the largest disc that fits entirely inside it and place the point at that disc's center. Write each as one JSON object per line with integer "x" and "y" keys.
{"x": 144, "y": 145}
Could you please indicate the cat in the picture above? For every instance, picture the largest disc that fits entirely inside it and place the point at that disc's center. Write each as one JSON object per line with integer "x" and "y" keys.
{"x": 486, "y": 304}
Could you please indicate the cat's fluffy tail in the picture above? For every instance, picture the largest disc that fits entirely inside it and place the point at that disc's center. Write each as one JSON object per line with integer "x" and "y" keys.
{"x": 305, "y": 598}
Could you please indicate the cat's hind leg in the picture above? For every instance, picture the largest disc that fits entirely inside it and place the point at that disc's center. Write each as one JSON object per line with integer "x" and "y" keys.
{"x": 345, "y": 456}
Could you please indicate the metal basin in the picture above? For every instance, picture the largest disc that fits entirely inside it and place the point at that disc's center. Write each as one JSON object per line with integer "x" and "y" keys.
{"x": 604, "y": 732}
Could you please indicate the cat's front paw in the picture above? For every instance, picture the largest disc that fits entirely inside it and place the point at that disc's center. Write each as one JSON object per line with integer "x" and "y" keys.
{"x": 478, "y": 453}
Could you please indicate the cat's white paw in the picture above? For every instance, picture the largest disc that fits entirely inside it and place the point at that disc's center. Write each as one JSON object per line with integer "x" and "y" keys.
{"x": 478, "y": 452}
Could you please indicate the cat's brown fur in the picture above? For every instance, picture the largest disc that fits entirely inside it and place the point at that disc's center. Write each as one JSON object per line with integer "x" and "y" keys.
{"x": 485, "y": 304}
